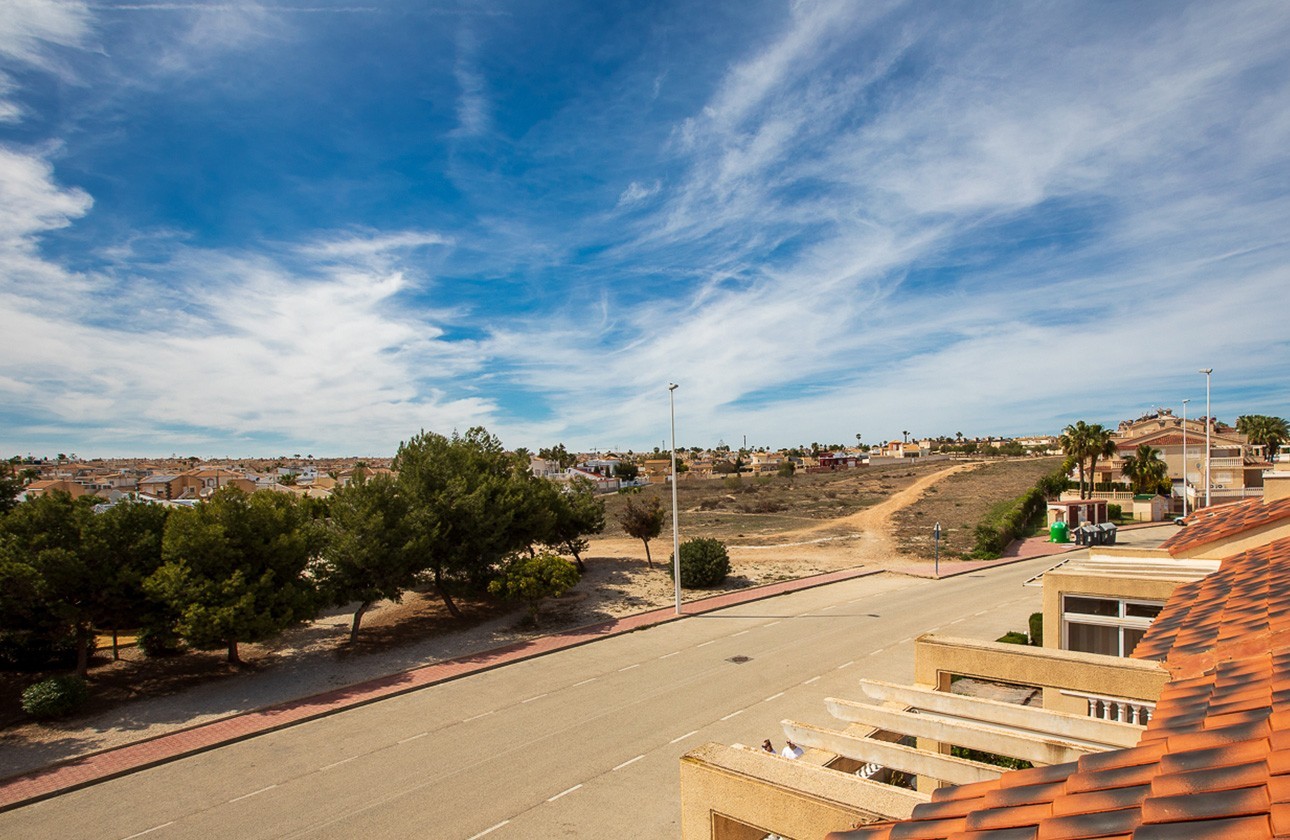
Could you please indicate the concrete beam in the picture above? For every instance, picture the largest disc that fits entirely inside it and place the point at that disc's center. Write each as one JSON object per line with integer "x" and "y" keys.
{"x": 936, "y": 658}
{"x": 1034, "y": 747}
{"x": 958, "y": 771}
{"x": 1076, "y": 728}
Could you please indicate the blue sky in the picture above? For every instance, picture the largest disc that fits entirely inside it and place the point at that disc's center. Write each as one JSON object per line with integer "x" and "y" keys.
{"x": 244, "y": 228}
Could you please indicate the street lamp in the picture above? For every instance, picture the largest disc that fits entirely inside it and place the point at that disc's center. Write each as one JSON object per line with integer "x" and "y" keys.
{"x": 1184, "y": 425}
{"x": 676, "y": 530}
{"x": 1209, "y": 421}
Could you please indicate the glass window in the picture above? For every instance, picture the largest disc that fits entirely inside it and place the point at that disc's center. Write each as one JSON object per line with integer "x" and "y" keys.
{"x": 1093, "y": 638}
{"x": 1142, "y": 610}
{"x": 1131, "y": 639}
{"x": 1092, "y": 606}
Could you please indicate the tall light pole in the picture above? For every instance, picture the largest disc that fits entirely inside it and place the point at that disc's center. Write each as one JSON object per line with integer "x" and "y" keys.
{"x": 1209, "y": 421}
{"x": 1184, "y": 425}
{"x": 676, "y": 530}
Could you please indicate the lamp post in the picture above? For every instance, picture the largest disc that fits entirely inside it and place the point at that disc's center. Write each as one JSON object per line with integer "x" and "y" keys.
{"x": 936, "y": 533}
{"x": 1184, "y": 425}
{"x": 676, "y": 530}
{"x": 1209, "y": 421}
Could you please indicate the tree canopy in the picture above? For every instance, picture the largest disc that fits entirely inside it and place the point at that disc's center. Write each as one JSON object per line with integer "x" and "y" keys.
{"x": 1265, "y": 431}
{"x": 1146, "y": 471}
{"x": 369, "y": 553}
{"x": 644, "y": 521}
{"x": 234, "y": 568}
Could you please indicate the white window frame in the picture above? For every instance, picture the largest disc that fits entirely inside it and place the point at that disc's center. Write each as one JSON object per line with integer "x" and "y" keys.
{"x": 1121, "y": 621}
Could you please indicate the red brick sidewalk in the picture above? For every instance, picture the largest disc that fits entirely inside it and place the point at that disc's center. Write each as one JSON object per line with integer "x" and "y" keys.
{"x": 97, "y": 767}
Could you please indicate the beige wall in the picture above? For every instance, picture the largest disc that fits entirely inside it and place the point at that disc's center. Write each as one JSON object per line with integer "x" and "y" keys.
{"x": 1244, "y": 541}
{"x": 938, "y": 658}
{"x": 724, "y": 788}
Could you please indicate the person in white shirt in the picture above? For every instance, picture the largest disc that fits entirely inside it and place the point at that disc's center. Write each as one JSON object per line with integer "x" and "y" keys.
{"x": 792, "y": 750}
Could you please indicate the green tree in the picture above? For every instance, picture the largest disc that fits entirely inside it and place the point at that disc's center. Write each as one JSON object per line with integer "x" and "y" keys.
{"x": 468, "y": 502}
{"x": 1074, "y": 442}
{"x": 643, "y": 521}
{"x": 369, "y": 555}
{"x": 235, "y": 566}
{"x": 10, "y": 487}
{"x": 1263, "y": 430}
{"x": 532, "y": 579}
{"x": 627, "y": 471}
{"x": 1146, "y": 471}
{"x": 125, "y": 541}
{"x": 578, "y": 514}
{"x": 787, "y": 469}
{"x": 1100, "y": 445}
{"x": 47, "y": 537}
{"x": 1087, "y": 444}
{"x": 558, "y": 454}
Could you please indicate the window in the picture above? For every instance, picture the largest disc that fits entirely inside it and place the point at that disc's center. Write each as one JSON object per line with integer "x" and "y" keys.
{"x": 1109, "y": 626}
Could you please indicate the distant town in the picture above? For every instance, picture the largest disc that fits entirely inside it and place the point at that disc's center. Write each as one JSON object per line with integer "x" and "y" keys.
{"x": 1236, "y": 464}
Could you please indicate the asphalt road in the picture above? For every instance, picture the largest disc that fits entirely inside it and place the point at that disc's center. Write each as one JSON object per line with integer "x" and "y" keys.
{"x": 580, "y": 743}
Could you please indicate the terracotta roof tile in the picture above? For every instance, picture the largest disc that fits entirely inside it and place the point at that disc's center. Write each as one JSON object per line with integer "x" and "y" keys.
{"x": 1027, "y": 833}
{"x": 1214, "y": 804}
{"x": 1239, "y": 828}
{"x": 1216, "y": 523}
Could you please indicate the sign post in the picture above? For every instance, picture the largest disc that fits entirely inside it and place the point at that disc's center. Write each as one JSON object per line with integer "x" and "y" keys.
{"x": 936, "y": 534}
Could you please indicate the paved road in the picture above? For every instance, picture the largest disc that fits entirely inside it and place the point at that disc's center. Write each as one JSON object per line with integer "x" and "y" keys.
{"x": 582, "y": 743}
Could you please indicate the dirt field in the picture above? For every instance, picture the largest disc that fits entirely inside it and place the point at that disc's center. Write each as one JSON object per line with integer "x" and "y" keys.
{"x": 775, "y": 528}
{"x": 960, "y": 502}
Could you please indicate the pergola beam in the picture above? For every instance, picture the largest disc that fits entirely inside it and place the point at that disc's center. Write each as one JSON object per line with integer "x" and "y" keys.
{"x": 1034, "y": 747}
{"x": 1074, "y": 728}
{"x": 956, "y": 771}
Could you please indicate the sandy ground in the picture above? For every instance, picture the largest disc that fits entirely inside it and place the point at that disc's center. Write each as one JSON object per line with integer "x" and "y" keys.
{"x": 313, "y": 658}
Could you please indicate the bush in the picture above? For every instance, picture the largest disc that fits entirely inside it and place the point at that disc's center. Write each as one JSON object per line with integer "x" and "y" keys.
{"x": 1012, "y": 637}
{"x": 531, "y": 579}
{"x": 156, "y": 643}
{"x": 1114, "y": 511}
{"x": 55, "y": 697}
{"x": 704, "y": 563}
{"x": 1037, "y": 629}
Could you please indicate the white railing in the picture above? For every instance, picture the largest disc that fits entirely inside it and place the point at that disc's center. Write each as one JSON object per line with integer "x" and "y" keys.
{"x": 1117, "y": 709}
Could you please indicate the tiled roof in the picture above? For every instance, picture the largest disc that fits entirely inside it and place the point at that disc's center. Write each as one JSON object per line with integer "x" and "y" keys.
{"x": 1213, "y": 763}
{"x": 1218, "y": 523}
{"x": 1241, "y": 609}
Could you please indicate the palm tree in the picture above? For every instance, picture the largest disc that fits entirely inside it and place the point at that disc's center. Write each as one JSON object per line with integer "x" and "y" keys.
{"x": 1086, "y": 444}
{"x": 1265, "y": 431}
{"x": 1145, "y": 470}
{"x": 1100, "y": 445}
{"x": 1074, "y": 442}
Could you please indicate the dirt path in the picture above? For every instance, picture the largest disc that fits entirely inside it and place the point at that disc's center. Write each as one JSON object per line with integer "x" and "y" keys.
{"x": 865, "y": 536}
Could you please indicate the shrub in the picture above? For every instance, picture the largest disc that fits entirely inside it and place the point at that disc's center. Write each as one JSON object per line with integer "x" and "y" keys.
{"x": 1037, "y": 629}
{"x": 704, "y": 563}
{"x": 156, "y": 643}
{"x": 55, "y": 697}
{"x": 1012, "y": 637}
{"x": 531, "y": 579}
{"x": 1114, "y": 511}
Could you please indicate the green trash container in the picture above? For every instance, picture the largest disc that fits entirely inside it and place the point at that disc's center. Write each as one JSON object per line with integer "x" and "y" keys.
{"x": 1058, "y": 533}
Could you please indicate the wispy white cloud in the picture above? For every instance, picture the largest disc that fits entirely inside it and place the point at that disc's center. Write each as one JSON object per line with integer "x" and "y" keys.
{"x": 637, "y": 192}
{"x": 473, "y": 114}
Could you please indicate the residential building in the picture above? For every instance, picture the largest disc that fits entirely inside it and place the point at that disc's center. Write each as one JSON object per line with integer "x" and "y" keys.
{"x": 1166, "y": 712}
